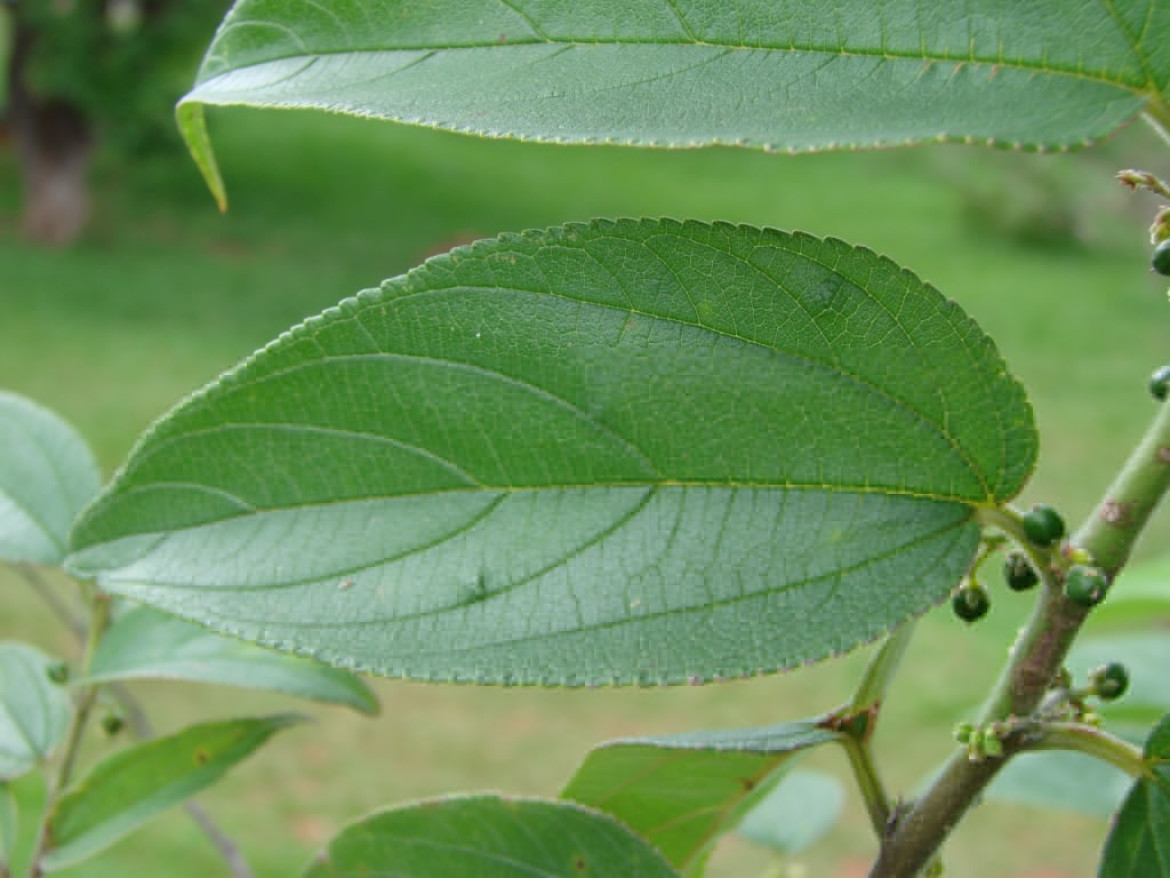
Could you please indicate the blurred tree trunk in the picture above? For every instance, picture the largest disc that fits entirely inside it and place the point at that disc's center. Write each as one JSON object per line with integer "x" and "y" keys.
{"x": 54, "y": 144}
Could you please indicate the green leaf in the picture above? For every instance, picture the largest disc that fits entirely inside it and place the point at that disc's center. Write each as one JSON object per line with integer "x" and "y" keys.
{"x": 1140, "y": 597}
{"x": 1062, "y": 781}
{"x": 797, "y": 812}
{"x": 1146, "y": 656}
{"x": 8, "y": 823}
{"x": 126, "y": 789}
{"x": 797, "y": 75}
{"x": 1139, "y": 841}
{"x": 489, "y": 837}
{"x": 632, "y": 451}
{"x": 47, "y": 474}
{"x": 680, "y": 792}
{"x": 34, "y": 711}
{"x": 144, "y": 643}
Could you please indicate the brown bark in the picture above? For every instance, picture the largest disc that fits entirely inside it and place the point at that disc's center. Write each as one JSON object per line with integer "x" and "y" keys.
{"x": 54, "y": 145}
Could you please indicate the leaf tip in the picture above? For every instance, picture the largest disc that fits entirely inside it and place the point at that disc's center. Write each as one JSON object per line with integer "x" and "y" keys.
{"x": 192, "y": 124}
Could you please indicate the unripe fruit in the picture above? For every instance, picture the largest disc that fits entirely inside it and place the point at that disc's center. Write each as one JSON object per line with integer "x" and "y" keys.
{"x": 1160, "y": 261}
{"x": 970, "y": 603}
{"x": 1043, "y": 525}
{"x": 1018, "y": 573}
{"x": 1085, "y": 586}
{"x": 1160, "y": 383}
{"x": 58, "y": 673}
{"x": 1110, "y": 681}
{"x": 112, "y": 724}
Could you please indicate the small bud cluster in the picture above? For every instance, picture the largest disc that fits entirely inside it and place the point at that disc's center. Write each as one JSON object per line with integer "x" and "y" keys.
{"x": 983, "y": 742}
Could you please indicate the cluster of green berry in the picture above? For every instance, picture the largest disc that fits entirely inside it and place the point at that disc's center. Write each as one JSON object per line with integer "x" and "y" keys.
{"x": 1065, "y": 703}
{"x": 1084, "y": 583}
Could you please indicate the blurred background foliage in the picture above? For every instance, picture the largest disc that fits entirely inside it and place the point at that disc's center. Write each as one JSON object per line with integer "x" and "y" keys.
{"x": 79, "y": 73}
{"x": 157, "y": 293}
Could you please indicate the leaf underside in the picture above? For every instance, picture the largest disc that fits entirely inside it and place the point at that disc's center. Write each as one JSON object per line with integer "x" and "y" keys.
{"x": 784, "y": 75}
{"x": 631, "y": 451}
{"x": 47, "y": 474}
{"x": 489, "y": 837}
{"x": 145, "y": 644}
{"x": 34, "y": 711}
{"x": 682, "y": 792}
{"x": 126, "y": 789}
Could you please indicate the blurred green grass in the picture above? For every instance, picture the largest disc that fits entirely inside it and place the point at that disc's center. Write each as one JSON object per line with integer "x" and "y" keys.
{"x": 164, "y": 293}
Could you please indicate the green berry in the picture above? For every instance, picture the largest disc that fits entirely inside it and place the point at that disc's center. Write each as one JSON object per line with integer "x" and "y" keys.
{"x": 1018, "y": 573}
{"x": 1160, "y": 383}
{"x": 1110, "y": 681}
{"x": 112, "y": 724}
{"x": 1043, "y": 525}
{"x": 58, "y": 673}
{"x": 1161, "y": 258}
{"x": 964, "y": 732}
{"x": 1085, "y": 586}
{"x": 970, "y": 603}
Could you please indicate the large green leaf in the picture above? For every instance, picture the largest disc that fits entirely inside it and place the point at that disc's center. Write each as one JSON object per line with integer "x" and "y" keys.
{"x": 489, "y": 837}
{"x": 680, "y": 792}
{"x": 144, "y": 643}
{"x": 1139, "y": 841}
{"x": 633, "y": 451}
{"x": 801, "y": 74}
{"x": 47, "y": 474}
{"x": 125, "y": 790}
{"x": 34, "y": 711}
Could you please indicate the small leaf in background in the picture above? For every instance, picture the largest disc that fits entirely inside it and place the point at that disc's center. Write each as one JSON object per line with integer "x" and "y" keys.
{"x": 144, "y": 643}
{"x": 489, "y": 837}
{"x": 126, "y": 789}
{"x": 680, "y": 792}
{"x": 1139, "y": 598}
{"x": 1146, "y": 655}
{"x": 804, "y": 75}
{"x": 47, "y": 474}
{"x": 797, "y": 812}
{"x": 1139, "y": 841}
{"x": 1062, "y": 781}
{"x": 34, "y": 711}
{"x": 635, "y": 451}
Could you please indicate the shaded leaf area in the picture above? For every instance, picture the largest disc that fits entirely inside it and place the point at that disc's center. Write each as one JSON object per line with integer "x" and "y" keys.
{"x": 1139, "y": 841}
{"x": 34, "y": 711}
{"x": 9, "y": 818}
{"x": 797, "y": 75}
{"x": 489, "y": 837}
{"x": 681, "y": 792}
{"x": 1139, "y": 598}
{"x": 797, "y": 812}
{"x": 632, "y": 451}
{"x": 1062, "y": 781}
{"x": 1146, "y": 655}
{"x": 126, "y": 789}
{"x": 47, "y": 474}
{"x": 144, "y": 643}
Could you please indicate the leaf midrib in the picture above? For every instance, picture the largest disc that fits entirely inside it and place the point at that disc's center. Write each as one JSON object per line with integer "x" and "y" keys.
{"x": 975, "y": 59}
{"x": 729, "y": 600}
{"x": 247, "y": 381}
